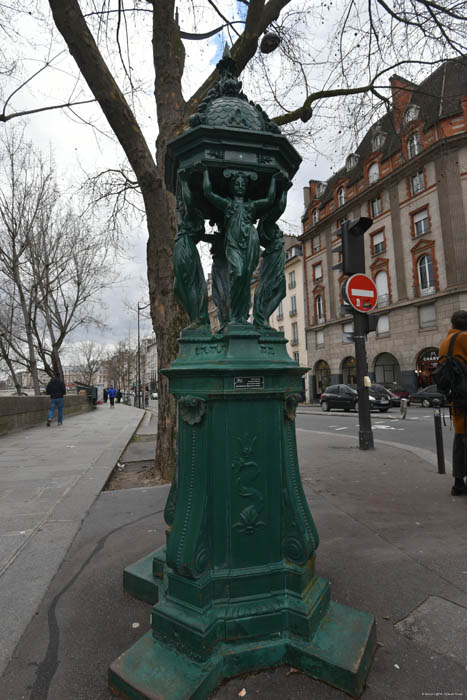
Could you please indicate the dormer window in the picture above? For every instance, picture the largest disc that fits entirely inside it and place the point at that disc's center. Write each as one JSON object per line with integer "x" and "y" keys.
{"x": 320, "y": 189}
{"x": 351, "y": 161}
{"x": 411, "y": 113}
{"x": 315, "y": 217}
{"x": 378, "y": 140}
{"x": 341, "y": 196}
{"x": 373, "y": 173}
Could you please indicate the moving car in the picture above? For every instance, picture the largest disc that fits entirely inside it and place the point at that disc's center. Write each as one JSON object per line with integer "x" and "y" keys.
{"x": 345, "y": 396}
{"x": 427, "y": 395}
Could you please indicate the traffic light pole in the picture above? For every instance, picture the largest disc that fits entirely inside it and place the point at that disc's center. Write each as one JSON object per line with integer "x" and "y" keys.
{"x": 365, "y": 433}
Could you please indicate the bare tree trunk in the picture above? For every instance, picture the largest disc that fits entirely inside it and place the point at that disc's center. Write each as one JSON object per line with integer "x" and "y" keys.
{"x": 9, "y": 364}
{"x": 28, "y": 330}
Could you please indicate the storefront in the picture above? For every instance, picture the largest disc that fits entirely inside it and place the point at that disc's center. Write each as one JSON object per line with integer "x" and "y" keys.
{"x": 349, "y": 370}
{"x": 427, "y": 361}
{"x": 321, "y": 378}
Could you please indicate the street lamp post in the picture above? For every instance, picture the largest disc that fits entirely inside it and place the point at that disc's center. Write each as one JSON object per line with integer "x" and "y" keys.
{"x": 138, "y": 388}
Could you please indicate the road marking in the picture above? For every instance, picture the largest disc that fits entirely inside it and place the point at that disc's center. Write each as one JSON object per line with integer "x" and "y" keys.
{"x": 340, "y": 429}
{"x": 386, "y": 427}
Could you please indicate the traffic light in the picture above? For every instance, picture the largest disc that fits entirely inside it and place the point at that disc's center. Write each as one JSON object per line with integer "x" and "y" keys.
{"x": 352, "y": 246}
{"x": 346, "y": 307}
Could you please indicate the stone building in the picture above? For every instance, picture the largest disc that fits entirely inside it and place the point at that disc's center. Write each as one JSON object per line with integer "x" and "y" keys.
{"x": 409, "y": 174}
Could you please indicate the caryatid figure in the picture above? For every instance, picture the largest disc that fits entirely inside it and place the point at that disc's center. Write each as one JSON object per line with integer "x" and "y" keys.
{"x": 241, "y": 236}
{"x": 189, "y": 283}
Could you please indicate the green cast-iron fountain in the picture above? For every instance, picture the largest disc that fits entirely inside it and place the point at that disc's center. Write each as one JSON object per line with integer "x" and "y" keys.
{"x": 235, "y": 588}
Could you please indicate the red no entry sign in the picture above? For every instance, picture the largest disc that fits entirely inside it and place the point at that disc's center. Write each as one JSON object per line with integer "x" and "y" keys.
{"x": 361, "y": 292}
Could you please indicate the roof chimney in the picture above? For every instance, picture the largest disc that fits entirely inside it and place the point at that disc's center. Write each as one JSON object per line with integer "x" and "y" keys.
{"x": 402, "y": 90}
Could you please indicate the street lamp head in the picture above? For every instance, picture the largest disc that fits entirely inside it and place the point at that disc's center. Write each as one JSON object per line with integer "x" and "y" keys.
{"x": 269, "y": 42}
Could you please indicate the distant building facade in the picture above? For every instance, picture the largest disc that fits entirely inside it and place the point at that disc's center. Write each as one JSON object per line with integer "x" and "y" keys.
{"x": 409, "y": 174}
{"x": 149, "y": 363}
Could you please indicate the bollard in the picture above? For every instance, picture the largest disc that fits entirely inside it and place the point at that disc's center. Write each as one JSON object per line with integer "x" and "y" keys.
{"x": 403, "y": 408}
{"x": 439, "y": 436}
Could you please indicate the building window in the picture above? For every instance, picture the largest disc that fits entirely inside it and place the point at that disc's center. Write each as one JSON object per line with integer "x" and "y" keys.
{"x": 280, "y": 312}
{"x": 382, "y": 327}
{"x": 382, "y": 287}
{"x": 292, "y": 279}
{"x": 317, "y": 272}
{"x": 339, "y": 224}
{"x": 293, "y": 306}
{"x": 294, "y": 340}
{"x": 315, "y": 216}
{"x": 411, "y": 114}
{"x": 347, "y": 329}
{"x": 421, "y": 223}
{"x": 296, "y": 356}
{"x": 316, "y": 243}
{"x": 378, "y": 244}
{"x": 378, "y": 140}
{"x": 427, "y": 316}
{"x": 376, "y": 206}
{"x": 414, "y": 145}
{"x": 426, "y": 276}
{"x": 319, "y": 308}
{"x": 319, "y": 338}
{"x": 351, "y": 161}
{"x": 341, "y": 197}
{"x": 281, "y": 329}
{"x": 373, "y": 173}
{"x": 321, "y": 189}
{"x": 417, "y": 182}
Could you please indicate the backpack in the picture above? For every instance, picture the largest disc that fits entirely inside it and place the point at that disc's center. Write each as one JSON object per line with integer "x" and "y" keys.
{"x": 451, "y": 378}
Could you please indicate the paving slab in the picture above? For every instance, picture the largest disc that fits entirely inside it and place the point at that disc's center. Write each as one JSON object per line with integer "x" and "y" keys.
{"x": 372, "y": 550}
{"x": 49, "y": 478}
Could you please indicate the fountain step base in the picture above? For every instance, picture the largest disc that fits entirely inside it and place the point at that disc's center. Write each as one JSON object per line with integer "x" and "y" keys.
{"x": 339, "y": 654}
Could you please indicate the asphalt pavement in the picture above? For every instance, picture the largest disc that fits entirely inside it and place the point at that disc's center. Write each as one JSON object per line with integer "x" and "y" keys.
{"x": 392, "y": 543}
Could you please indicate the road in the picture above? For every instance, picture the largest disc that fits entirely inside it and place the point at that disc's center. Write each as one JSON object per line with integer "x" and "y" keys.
{"x": 416, "y": 430}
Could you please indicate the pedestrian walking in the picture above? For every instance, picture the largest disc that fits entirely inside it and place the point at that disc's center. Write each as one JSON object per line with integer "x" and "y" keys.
{"x": 119, "y": 396}
{"x": 105, "y": 395}
{"x": 111, "y": 393}
{"x": 146, "y": 396}
{"x": 459, "y": 418}
{"x": 56, "y": 389}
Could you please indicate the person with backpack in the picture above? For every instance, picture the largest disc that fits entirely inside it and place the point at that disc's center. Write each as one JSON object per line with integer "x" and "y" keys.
{"x": 451, "y": 379}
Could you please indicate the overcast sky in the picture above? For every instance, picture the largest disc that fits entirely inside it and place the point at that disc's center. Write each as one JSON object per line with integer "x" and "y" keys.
{"x": 80, "y": 150}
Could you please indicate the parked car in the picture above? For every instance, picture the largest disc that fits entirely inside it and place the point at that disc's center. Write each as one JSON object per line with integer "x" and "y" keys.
{"x": 399, "y": 393}
{"x": 427, "y": 395}
{"x": 345, "y": 396}
{"x": 382, "y": 390}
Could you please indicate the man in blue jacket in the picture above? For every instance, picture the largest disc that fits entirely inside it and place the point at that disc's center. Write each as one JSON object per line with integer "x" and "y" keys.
{"x": 111, "y": 393}
{"x": 56, "y": 390}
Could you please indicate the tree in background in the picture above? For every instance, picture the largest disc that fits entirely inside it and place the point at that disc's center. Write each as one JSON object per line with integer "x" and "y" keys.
{"x": 88, "y": 358}
{"x": 121, "y": 365}
{"x": 326, "y": 53}
{"x": 53, "y": 262}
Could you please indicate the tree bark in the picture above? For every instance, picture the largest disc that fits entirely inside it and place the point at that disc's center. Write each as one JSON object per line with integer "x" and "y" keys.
{"x": 159, "y": 204}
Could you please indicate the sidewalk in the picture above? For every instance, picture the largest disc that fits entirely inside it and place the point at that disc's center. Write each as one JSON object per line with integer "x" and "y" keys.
{"x": 49, "y": 478}
{"x": 392, "y": 542}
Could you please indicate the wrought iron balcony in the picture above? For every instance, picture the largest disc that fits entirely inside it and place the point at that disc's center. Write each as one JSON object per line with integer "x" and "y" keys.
{"x": 383, "y": 300}
{"x": 424, "y": 291}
